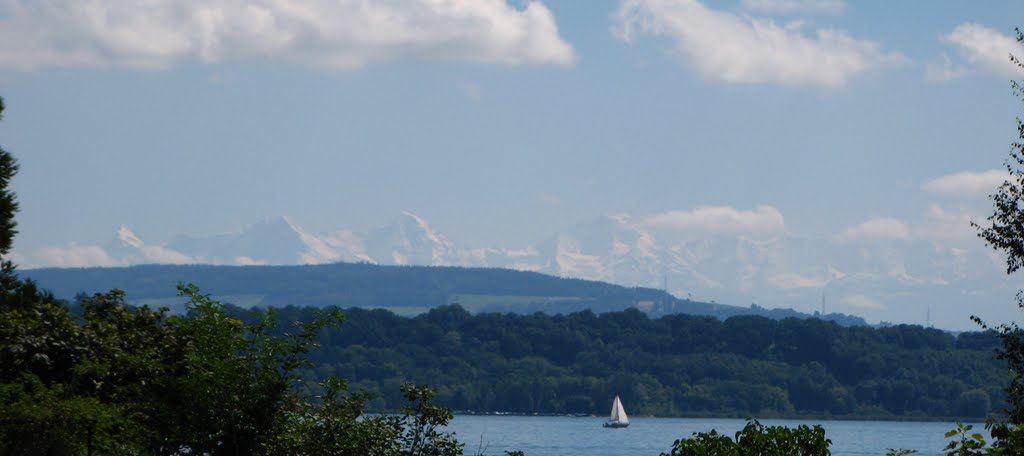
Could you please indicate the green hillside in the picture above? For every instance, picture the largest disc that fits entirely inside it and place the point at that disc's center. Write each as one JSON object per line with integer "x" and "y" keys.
{"x": 406, "y": 290}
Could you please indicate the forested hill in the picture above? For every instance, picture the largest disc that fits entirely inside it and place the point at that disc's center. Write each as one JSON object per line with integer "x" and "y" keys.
{"x": 674, "y": 365}
{"x": 405, "y": 290}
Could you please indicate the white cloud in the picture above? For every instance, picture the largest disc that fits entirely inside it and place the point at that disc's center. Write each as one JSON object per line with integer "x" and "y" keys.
{"x": 937, "y": 224}
{"x": 330, "y": 33}
{"x": 73, "y": 255}
{"x": 967, "y": 183}
{"x": 792, "y": 280}
{"x": 17, "y": 258}
{"x": 862, "y": 302}
{"x": 943, "y": 224}
{"x": 728, "y": 47}
{"x": 795, "y": 6}
{"x": 986, "y": 48}
{"x": 878, "y": 228}
{"x": 247, "y": 261}
{"x": 945, "y": 71}
{"x": 720, "y": 219}
{"x": 130, "y": 249}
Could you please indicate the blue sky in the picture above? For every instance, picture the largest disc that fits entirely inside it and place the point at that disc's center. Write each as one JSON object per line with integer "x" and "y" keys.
{"x": 502, "y": 123}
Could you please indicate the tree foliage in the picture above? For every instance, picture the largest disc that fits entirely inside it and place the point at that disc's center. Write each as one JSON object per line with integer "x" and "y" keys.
{"x": 673, "y": 365}
{"x": 756, "y": 439}
{"x": 8, "y": 201}
{"x": 1005, "y": 232}
{"x": 111, "y": 378}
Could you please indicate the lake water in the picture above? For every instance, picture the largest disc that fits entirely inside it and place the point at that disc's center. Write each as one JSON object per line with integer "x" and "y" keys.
{"x": 566, "y": 436}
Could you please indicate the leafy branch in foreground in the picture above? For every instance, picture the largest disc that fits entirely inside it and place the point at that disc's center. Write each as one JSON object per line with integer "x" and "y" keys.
{"x": 120, "y": 379}
{"x": 1005, "y": 231}
{"x": 1006, "y": 441}
{"x": 126, "y": 380}
{"x": 756, "y": 439}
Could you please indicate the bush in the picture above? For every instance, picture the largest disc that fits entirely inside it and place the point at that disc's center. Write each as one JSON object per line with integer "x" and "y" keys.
{"x": 756, "y": 439}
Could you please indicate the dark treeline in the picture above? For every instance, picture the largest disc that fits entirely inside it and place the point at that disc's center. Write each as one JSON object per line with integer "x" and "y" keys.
{"x": 674, "y": 365}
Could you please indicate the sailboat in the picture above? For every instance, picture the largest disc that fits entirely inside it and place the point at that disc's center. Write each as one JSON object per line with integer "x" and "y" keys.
{"x": 618, "y": 418}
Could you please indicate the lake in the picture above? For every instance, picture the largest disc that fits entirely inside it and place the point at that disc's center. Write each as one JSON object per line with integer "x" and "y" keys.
{"x": 563, "y": 436}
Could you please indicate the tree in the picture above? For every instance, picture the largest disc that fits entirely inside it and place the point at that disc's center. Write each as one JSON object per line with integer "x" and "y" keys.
{"x": 1005, "y": 231}
{"x": 756, "y": 439}
{"x": 8, "y": 202}
{"x": 1006, "y": 224}
{"x": 240, "y": 377}
{"x": 114, "y": 378}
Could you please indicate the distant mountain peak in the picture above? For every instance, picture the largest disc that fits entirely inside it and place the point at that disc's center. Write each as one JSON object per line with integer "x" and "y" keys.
{"x": 409, "y": 239}
{"x": 128, "y": 237}
{"x": 404, "y": 214}
{"x": 421, "y": 225}
{"x": 783, "y": 269}
{"x": 279, "y": 223}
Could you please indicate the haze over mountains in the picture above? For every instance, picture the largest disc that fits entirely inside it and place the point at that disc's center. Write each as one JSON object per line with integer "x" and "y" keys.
{"x": 899, "y": 280}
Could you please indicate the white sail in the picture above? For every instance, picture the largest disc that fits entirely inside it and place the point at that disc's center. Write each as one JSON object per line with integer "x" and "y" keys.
{"x": 618, "y": 413}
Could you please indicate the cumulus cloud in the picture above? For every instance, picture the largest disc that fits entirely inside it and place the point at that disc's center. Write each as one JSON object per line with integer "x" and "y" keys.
{"x": 984, "y": 48}
{"x": 862, "y": 302}
{"x": 937, "y": 223}
{"x": 947, "y": 224}
{"x": 331, "y": 33}
{"x": 733, "y": 48}
{"x": 795, "y": 6}
{"x": 878, "y": 228}
{"x": 967, "y": 183}
{"x": 73, "y": 255}
{"x": 720, "y": 219}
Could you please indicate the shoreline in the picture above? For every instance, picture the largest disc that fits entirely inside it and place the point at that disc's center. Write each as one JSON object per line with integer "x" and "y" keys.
{"x": 797, "y": 417}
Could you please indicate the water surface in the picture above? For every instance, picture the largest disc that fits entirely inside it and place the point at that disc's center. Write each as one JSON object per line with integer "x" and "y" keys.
{"x": 563, "y": 436}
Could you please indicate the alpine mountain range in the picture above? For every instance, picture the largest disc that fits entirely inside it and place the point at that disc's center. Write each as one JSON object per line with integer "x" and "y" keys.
{"x": 896, "y": 280}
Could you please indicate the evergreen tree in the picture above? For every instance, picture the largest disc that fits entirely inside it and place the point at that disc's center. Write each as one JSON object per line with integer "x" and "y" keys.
{"x": 8, "y": 202}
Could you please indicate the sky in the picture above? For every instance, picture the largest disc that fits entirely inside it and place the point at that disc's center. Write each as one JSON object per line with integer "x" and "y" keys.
{"x": 503, "y": 122}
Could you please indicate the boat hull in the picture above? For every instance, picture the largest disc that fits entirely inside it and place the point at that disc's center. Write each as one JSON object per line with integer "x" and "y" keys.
{"x": 615, "y": 424}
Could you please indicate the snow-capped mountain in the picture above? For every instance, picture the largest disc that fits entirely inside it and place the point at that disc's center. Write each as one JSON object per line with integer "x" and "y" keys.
{"x": 888, "y": 278}
{"x": 127, "y": 248}
{"x": 407, "y": 240}
{"x": 410, "y": 240}
{"x": 611, "y": 248}
{"x": 274, "y": 241}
